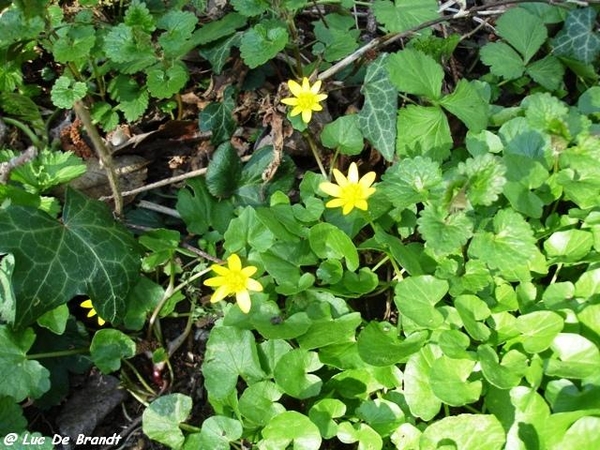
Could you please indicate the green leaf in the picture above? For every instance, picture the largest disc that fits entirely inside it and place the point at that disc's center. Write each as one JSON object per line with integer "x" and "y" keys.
{"x": 382, "y": 415}
{"x": 574, "y": 356}
{"x": 200, "y": 210}
{"x": 582, "y": 434}
{"x": 402, "y": 15}
{"x": 569, "y": 245}
{"x": 449, "y": 381}
{"x": 500, "y": 375}
{"x": 415, "y": 73}
{"x": 577, "y": 39}
{"x": 108, "y": 347}
{"x": 11, "y": 417}
{"x": 258, "y": 404}
{"x": 74, "y": 43}
{"x": 379, "y": 344}
{"x": 473, "y": 311}
{"x": 510, "y": 245}
{"x": 327, "y": 332}
{"x": 131, "y": 51}
{"x": 328, "y": 241}
{"x": 287, "y": 428}
{"x": 322, "y": 414}
{"x": 66, "y": 92}
{"x": 466, "y": 432}
{"x": 547, "y": 72}
{"x": 485, "y": 178}
{"x": 503, "y": 60}
{"x": 416, "y": 298}
{"x": 218, "y": 118}
{"x": 104, "y": 115}
{"x": 411, "y": 181}
{"x": 292, "y": 374}
{"x": 523, "y": 31}
{"x": 337, "y": 36}
{"x": 166, "y": 82}
{"x": 217, "y": 432}
{"x": 217, "y": 53}
{"x": 230, "y": 352}
{"x": 21, "y": 377}
{"x": 366, "y": 436}
{"x": 142, "y": 299}
{"x": 468, "y": 105}
{"x": 138, "y": 16}
{"x": 262, "y": 42}
{"x": 538, "y": 330}
{"x": 161, "y": 419}
{"x": 133, "y": 100}
{"x": 217, "y": 29}
{"x": 87, "y": 252}
{"x": 444, "y": 232}
{"x": 343, "y": 135}
{"x": 376, "y": 118}
{"x": 589, "y": 101}
{"x": 423, "y": 131}
{"x": 250, "y": 8}
{"x": 417, "y": 389}
{"x": 178, "y": 26}
{"x": 224, "y": 170}
{"x": 247, "y": 230}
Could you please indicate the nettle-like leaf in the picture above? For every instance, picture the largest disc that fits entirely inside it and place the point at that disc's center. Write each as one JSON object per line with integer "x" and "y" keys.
{"x": 468, "y": 105}
{"x": 138, "y": 15}
{"x": 21, "y": 378}
{"x": 424, "y": 131}
{"x": 133, "y": 99}
{"x": 162, "y": 417}
{"x": 74, "y": 43}
{"x": 485, "y": 178}
{"x": 401, "y": 15}
{"x": 131, "y": 51}
{"x": 547, "y": 72}
{"x": 86, "y": 252}
{"x": 337, "y": 36}
{"x": 444, "y": 232}
{"x": 411, "y": 181}
{"x": 250, "y": 8}
{"x": 66, "y": 92}
{"x": 164, "y": 83}
{"x": 511, "y": 245}
{"x": 262, "y": 42}
{"x": 577, "y": 39}
{"x": 178, "y": 26}
{"x": 503, "y": 60}
{"x": 376, "y": 118}
{"x": 416, "y": 73}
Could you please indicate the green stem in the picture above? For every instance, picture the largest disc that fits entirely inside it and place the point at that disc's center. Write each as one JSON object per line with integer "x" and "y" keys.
{"x": 140, "y": 378}
{"x": 59, "y": 353}
{"x": 25, "y": 129}
{"x": 190, "y": 428}
{"x": 313, "y": 148}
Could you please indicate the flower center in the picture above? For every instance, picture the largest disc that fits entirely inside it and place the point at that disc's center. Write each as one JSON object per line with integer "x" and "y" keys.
{"x": 236, "y": 281}
{"x": 352, "y": 193}
{"x": 306, "y": 100}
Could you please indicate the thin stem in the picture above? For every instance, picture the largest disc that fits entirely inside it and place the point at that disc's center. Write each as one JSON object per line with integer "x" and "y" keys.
{"x": 139, "y": 377}
{"x": 59, "y": 353}
{"x": 25, "y": 129}
{"x": 313, "y": 147}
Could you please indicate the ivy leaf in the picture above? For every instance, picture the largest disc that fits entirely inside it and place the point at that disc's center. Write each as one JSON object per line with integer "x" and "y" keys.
{"x": 524, "y": 31}
{"x": 262, "y": 42}
{"x": 510, "y": 245}
{"x": 444, "y": 233}
{"x": 66, "y": 92}
{"x": 401, "y": 15}
{"x": 468, "y": 105}
{"x": 164, "y": 83}
{"x": 376, "y": 118}
{"x": 485, "y": 175}
{"x": 218, "y": 52}
{"x": 416, "y": 73}
{"x": 503, "y": 60}
{"x": 86, "y": 252}
{"x": 423, "y": 131}
{"x": 343, "y": 135}
{"x": 133, "y": 100}
{"x": 21, "y": 377}
{"x": 108, "y": 347}
{"x": 577, "y": 39}
{"x": 162, "y": 417}
{"x": 218, "y": 118}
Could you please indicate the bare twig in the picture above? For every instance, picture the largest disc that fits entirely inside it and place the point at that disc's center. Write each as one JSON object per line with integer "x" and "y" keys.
{"x": 159, "y": 208}
{"x": 23, "y": 158}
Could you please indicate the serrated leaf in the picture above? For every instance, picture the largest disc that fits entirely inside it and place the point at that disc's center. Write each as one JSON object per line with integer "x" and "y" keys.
{"x": 218, "y": 118}
{"x": 376, "y": 118}
{"x": 547, "y": 72}
{"x": 343, "y": 135}
{"x": 262, "y": 42}
{"x": 485, "y": 175}
{"x": 250, "y": 8}
{"x": 444, "y": 232}
{"x": 468, "y": 105}
{"x": 133, "y": 51}
{"x": 523, "y": 31}
{"x": 577, "y": 39}
{"x": 104, "y": 114}
{"x": 66, "y": 92}
{"x": 510, "y": 245}
{"x": 423, "y": 131}
{"x": 401, "y": 15}
{"x": 138, "y": 15}
{"x": 411, "y": 181}
{"x": 86, "y": 252}
{"x": 21, "y": 377}
{"x": 416, "y": 73}
{"x": 503, "y": 60}
{"x": 74, "y": 43}
{"x": 164, "y": 83}
{"x": 161, "y": 419}
{"x": 108, "y": 347}
{"x": 133, "y": 100}
{"x": 178, "y": 26}
{"x": 223, "y": 172}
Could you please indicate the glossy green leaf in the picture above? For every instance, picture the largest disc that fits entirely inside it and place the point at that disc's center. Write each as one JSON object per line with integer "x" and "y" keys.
{"x": 376, "y": 118}
{"x": 66, "y": 92}
{"x": 223, "y": 172}
{"x": 401, "y": 15}
{"x": 22, "y": 377}
{"x": 547, "y": 72}
{"x": 466, "y": 432}
{"x": 444, "y": 232}
{"x": 165, "y": 82}
{"x": 415, "y": 73}
{"x": 589, "y": 101}
{"x": 574, "y": 356}
{"x": 382, "y": 415}
{"x": 290, "y": 427}
{"x": 258, "y": 403}
{"x": 86, "y": 252}
{"x": 322, "y": 414}
{"x": 292, "y": 374}
{"x": 366, "y": 436}
{"x": 423, "y": 131}
{"x": 538, "y": 329}
{"x": 269, "y": 323}
{"x": 468, "y": 105}
{"x": 108, "y": 347}
{"x": 569, "y": 245}
{"x": 473, "y": 311}
{"x": 328, "y": 241}
{"x": 343, "y": 135}
{"x": 449, "y": 381}
{"x": 327, "y": 332}
{"x": 379, "y": 344}
{"x": 217, "y": 432}
{"x": 161, "y": 419}
{"x": 582, "y": 434}
{"x": 503, "y": 60}
{"x": 502, "y": 375}
{"x": 416, "y": 298}
{"x": 418, "y": 392}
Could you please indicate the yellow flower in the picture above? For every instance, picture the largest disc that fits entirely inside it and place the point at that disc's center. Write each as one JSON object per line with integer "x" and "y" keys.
{"x": 351, "y": 192}
{"x": 305, "y": 98}
{"x": 234, "y": 279}
{"x": 92, "y": 312}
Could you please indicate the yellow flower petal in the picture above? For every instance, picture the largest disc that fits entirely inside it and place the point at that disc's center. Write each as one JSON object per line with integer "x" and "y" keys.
{"x": 248, "y": 271}
{"x": 367, "y": 180}
{"x": 294, "y": 87}
{"x": 330, "y": 188}
{"x": 215, "y": 281}
{"x": 101, "y": 321}
{"x": 335, "y": 203}
{"x": 350, "y": 192}
{"x": 234, "y": 263}
{"x": 243, "y": 300}
{"x": 253, "y": 285}
{"x": 219, "y": 294}
{"x": 291, "y": 101}
{"x": 306, "y": 115}
{"x": 220, "y": 270}
{"x": 315, "y": 87}
{"x": 305, "y": 98}
{"x": 86, "y": 304}
{"x": 353, "y": 173}
{"x": 341, "y": 180}
{"x": 305, "y": 84}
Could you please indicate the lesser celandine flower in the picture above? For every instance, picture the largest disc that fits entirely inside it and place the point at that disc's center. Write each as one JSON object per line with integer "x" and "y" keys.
{"x": 351, "y": 192}
{"x": 87, "y": 304}
{"x": 305, "y": 98}
{"x": 234, "y": 279}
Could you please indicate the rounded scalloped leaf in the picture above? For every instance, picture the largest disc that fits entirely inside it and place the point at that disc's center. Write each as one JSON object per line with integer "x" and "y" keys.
{"x": 290, "y": 427}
